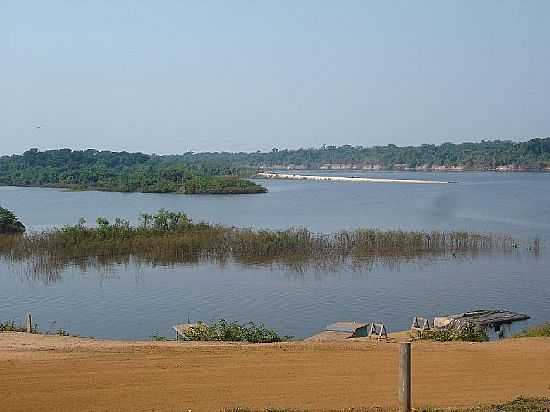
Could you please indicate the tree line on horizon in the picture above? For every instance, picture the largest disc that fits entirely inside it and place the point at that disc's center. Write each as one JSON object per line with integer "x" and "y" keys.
{"x": 225, "y": 172}
{"x": 533, "y": 154}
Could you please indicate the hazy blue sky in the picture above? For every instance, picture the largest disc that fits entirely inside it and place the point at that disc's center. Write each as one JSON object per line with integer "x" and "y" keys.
{"x": 172, "y": 76}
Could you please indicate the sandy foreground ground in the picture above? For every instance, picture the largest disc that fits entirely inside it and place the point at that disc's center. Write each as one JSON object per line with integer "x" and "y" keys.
{"x": 43, "y": 373}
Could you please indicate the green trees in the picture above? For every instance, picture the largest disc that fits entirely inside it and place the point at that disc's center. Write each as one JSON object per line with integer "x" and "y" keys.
{"x": 533, "y": 154}
{"x": 165, "y": 220}
{"x": 221, "y": 185}
{"x": 222, "y": 172}
{"x": 121, "y": 172}
{"x": 9, "y": 222}
{"x": 468, "y": 332}
{"x": 7, "y": 217}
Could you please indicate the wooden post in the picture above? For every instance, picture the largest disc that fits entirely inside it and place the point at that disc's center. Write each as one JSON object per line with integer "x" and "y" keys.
{"x": 29, "y": 322}
{"x": 405, "y": 377}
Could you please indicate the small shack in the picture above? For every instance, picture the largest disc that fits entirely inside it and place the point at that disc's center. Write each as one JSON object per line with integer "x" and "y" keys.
{"x": 354, "y": 329}
{"x": 497, "y": 324}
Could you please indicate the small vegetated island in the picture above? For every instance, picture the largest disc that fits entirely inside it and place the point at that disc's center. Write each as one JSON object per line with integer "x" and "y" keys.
{"x": 124, "y": 172}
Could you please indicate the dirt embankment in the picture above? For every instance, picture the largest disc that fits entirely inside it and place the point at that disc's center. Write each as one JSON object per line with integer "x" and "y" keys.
{"x": 70, "y": 374}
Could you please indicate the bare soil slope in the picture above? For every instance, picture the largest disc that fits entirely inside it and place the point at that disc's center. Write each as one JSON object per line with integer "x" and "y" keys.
{"x": 68, "y": 374}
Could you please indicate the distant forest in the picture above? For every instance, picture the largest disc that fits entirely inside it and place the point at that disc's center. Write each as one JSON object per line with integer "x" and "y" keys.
{"x": 223, "y": 172}
{"x": 486, "y": 155}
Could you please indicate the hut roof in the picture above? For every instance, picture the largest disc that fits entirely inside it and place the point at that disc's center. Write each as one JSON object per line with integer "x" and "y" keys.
{"x": 489, "y": 317}
{"x": 350, "y": 327}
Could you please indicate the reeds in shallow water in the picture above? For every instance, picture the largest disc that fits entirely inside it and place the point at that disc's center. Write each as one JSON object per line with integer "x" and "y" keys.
{"x": 168, "y": 238}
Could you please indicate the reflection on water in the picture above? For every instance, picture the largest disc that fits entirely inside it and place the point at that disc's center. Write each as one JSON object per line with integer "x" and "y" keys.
{"x": 48, "y": 269}
{"x": 41, "y": 269}
{"x": 132, "y": 299}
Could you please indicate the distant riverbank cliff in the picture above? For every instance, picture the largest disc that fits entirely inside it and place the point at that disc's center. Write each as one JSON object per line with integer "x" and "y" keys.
{"x": 421, "y": 168}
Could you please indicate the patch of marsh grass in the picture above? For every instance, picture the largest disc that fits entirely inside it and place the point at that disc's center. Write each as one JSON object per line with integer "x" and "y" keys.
{"x": 167, "y": 238}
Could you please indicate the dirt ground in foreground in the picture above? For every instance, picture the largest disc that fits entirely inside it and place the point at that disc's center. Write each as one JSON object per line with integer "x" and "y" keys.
{"x": 50, "y": 373}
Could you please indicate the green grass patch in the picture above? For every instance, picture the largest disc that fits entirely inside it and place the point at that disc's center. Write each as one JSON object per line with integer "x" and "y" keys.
{"x": 535, "y": 331}
{"x": 160, "y": 338}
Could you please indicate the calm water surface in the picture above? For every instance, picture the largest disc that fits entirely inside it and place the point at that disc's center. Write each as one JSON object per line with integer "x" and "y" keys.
{"x": 131, "y": 301}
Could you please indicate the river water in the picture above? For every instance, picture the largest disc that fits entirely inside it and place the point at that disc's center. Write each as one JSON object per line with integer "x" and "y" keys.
{"x": 137, "y": 301}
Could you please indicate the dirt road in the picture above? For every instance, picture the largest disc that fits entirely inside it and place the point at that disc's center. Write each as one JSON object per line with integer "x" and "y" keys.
{"x": 68, "y": 374}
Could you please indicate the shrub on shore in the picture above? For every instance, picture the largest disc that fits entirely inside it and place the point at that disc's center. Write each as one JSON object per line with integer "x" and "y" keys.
{"x": 224, "y": 331}
{"x": 11, "y": 326}
{"x": 466, "y": 332}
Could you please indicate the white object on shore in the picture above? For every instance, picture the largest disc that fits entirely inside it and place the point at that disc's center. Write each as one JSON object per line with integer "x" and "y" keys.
{"x": 345, "y": 179}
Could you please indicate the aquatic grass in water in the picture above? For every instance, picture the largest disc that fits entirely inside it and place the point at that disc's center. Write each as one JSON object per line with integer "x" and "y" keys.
{"x": 167, "y": 238}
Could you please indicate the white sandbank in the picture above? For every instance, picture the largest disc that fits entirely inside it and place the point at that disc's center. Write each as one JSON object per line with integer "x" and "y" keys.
{"x": 345, "y": 179}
